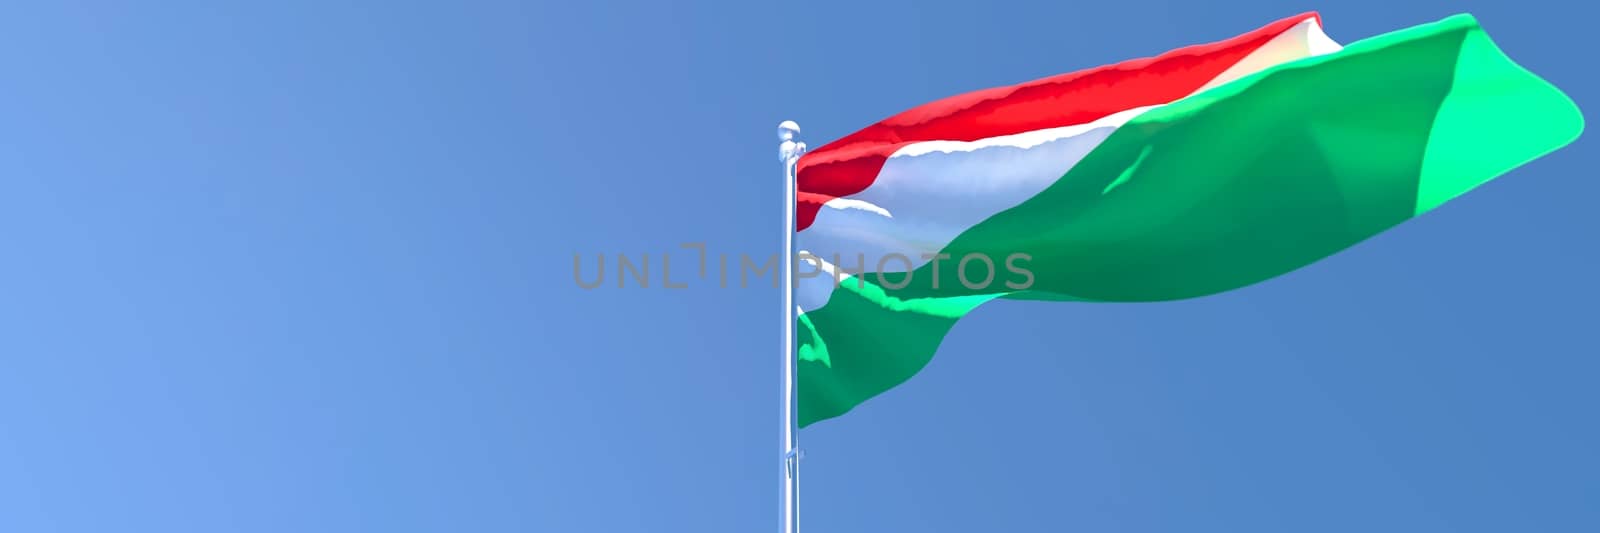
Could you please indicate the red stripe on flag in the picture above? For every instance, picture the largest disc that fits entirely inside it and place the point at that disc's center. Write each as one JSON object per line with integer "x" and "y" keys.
{"x": 849, "y": 165}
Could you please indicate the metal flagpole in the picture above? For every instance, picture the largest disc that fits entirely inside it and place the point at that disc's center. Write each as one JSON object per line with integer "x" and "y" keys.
{"x": 789, "y": 151}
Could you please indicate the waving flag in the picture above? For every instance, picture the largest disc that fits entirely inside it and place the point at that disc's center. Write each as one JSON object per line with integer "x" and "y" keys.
{"x": 1201, "y": 170}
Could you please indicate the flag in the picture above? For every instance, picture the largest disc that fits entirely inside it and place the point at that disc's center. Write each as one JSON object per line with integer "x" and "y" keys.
{"x": 1197, "y": 171}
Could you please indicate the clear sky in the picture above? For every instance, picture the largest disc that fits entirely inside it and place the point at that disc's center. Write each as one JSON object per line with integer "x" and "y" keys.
{"x": 307, "y": 266}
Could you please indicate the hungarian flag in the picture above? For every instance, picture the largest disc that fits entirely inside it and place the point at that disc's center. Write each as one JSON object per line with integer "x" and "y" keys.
{"x": 1197, "y": 171}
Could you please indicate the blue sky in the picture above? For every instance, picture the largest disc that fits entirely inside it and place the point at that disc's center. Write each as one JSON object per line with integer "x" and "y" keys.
{"x": 306, "y": 266}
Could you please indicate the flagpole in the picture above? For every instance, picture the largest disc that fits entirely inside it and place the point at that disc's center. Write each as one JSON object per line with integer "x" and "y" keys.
{"x": 789, "y": 151}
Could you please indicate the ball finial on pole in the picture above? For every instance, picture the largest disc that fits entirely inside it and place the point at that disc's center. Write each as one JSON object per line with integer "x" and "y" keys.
{"x": 789, "y": 149}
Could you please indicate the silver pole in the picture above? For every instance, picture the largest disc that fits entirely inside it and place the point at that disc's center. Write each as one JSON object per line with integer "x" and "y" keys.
{"x": 789, "y": 151}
